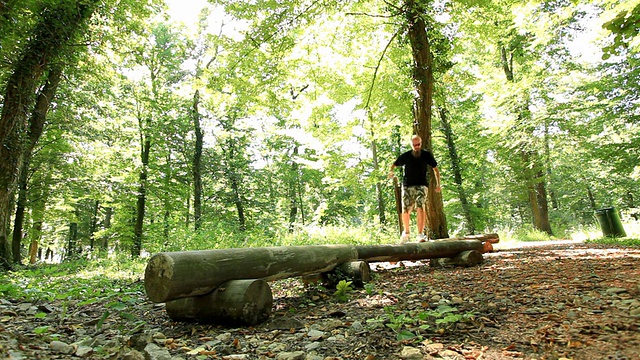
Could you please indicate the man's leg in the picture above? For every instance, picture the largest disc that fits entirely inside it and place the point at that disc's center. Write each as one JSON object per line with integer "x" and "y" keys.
{"x": 406, "y": 217}
{"x": 421, "y": 218}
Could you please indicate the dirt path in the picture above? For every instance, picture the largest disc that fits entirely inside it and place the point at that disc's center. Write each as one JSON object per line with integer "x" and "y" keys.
{"x": 564, "y": 300}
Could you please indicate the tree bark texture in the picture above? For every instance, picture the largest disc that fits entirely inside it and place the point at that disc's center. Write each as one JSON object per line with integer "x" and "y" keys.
{"x": 175, "y": 275}
{"x": 136, "y": 247}
{"x": 236, "y": 302}
{"x": 197, "y": 163}
{"x": 423, "y": 83}
{"x": 416, "y": 251}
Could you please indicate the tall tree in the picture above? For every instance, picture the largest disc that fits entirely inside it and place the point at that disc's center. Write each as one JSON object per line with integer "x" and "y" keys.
{"x": 58, "y": 27}
{"x": 423, "y": 66}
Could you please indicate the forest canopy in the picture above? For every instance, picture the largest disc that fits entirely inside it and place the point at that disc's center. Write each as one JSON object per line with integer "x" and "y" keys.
{"x": 267, "y": 121}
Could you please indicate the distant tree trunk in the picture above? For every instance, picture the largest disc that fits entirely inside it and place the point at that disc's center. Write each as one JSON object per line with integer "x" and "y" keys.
{"x": 34, "y": 246}
{"x": 136, "y": 250}
{"x": 592, "y": 200}
{"x": 104, "y": 244}
{"x": 423, "y": 83}
{"x": 73, "y": 240}
{"x": 292, "y": 190}
{"x": 18, "y": 220}
{"x": 94, "y": 224}
{"x": 237, "y": 199}
{"x": 376, "y": 168}
{"x": 197, "y": 167}
{"x": 535, "y": 178}
{"x": 457, "y": 171}
{"x": 57, "y": 26}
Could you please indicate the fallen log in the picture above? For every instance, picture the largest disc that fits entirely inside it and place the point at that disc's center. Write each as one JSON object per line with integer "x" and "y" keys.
{"x": 416, "y": 251}
{"x": 236, "y": 302}
{"x": 465, "y": 258}
{"x": 173, "y": 275}
{"x": 490, "y": 238}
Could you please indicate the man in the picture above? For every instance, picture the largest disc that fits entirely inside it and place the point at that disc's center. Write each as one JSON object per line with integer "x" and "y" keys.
{"x": 414, "y": 185}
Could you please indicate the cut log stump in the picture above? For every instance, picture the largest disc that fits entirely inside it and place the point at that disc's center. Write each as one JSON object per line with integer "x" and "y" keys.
{"x": 236, "y": 302}
{"x": 465, "y": 258}
{"x": 358, "y": 272}
{"x": 173, "y": 275}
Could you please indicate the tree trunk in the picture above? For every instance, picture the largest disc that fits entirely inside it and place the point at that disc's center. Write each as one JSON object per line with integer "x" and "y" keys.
{"x": 94, "y": 224}
{"x": 104, "y": 243}
{"x": 175, "y": 275}
{"x": 236, "y": 302}
{"x": 136, "y": 249}
{"x": 591, "y": 198}
{"x": 457, "y": 171}
{"x": 292, "y": 190}
{"x": 423, "y": 83}
{"x": 197, "y": 163}
{"x": 73, "y": 240}
{"x": 376, "y": 168}
{"x": 36, "y": 127}
{"x": 58, "y": 26}
{"x": 18, "y": 221}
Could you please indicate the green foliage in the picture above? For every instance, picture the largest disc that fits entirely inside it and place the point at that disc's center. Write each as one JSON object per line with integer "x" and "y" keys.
{"x": 624, "y": 27}
{"x": 343, "y": 290}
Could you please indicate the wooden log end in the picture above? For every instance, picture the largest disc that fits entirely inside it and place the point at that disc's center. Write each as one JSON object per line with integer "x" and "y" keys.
{"x": 236, "y": 302}
{"x": 157, "y": 277}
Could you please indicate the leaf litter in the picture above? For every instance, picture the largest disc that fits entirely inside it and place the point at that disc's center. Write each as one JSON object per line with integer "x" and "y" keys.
{"x": 568, "y": 301}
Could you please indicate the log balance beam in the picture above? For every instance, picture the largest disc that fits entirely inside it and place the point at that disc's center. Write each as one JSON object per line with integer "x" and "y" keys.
{"x": 229, "y": 285}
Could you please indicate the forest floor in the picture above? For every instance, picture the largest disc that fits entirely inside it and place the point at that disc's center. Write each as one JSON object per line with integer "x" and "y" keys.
{"x": 562, "y": 300}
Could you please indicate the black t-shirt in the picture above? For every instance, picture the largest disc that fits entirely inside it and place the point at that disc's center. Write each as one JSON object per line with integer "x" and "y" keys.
{"x": 415, "y": 168}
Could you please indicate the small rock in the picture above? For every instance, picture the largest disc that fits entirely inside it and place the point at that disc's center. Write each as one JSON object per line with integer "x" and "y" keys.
{"x": 616, "y": 291}
{"x": 315, "y": 334}
{"x": 635, "y": 312}
{"x": 357, "y": 326}
{"x": 133, "y": 355}
{"x": 456, "y": 300}
{"x": 313, "y": 346}
{"x": 411, "y": 353}
{"x": 155, "y": 352}
{"x": 61, "y": 347}
{"x": 296, "y": 355}
{"x": 225, "y": 337}
{"x": 84, "y": 351}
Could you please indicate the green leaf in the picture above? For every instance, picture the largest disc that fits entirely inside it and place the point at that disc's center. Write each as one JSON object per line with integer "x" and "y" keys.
{"x": 104, "y": 317}
{"x": 40, "y": 315}
{"x": 405, "y": 335}
{"x": 41, "y": 330}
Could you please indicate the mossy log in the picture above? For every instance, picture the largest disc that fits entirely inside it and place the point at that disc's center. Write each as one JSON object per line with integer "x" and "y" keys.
{"x": 236, "y": 302}
{"x": 174, "y": 275}
{"x": 465, "y": 258}
{"x": 417, "y": 251}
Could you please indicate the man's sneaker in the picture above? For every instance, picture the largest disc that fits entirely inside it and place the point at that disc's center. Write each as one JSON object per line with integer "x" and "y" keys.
{"x": 422, "y": 238}
{"x": 404, "y": 237}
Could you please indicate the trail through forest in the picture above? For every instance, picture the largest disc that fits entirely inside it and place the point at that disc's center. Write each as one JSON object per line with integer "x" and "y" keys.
{"x": 544, "y": 301}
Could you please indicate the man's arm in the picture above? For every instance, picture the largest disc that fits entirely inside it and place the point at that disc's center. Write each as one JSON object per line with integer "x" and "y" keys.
{"x": 391, "y": 171}
{"x": 436, "y": 172}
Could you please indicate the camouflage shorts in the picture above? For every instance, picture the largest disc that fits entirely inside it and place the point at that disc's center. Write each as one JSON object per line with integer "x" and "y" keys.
{"x": 413, "y": 197}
